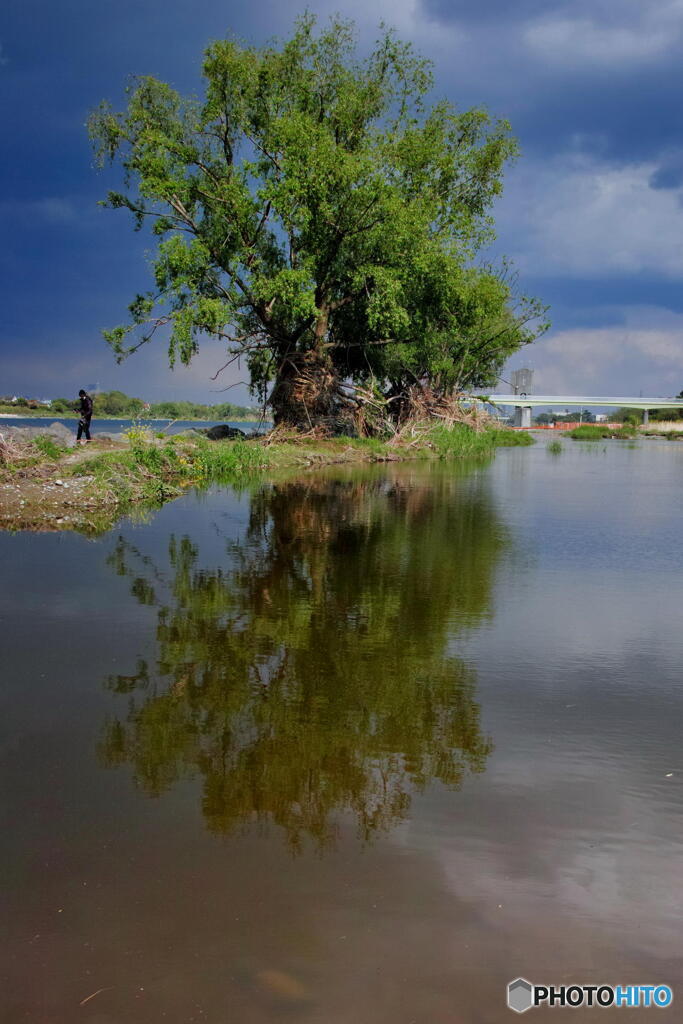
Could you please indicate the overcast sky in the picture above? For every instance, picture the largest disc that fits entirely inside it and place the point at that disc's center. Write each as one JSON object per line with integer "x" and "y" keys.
{"x": 592, "y": 213}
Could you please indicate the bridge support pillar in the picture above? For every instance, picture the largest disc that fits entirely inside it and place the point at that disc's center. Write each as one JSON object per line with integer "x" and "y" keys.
{"x": 523, "y": 416}
{"x": 646, "y": 417}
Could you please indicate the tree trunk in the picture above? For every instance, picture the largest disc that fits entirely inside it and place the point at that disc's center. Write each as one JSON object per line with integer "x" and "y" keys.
{"x": 306, "y": 394}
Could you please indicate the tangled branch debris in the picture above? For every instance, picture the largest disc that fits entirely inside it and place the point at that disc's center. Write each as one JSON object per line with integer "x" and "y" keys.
{"x": 14, "y": 453}
{"x": 313, "y": 403}
{"x": 422, "y": 407}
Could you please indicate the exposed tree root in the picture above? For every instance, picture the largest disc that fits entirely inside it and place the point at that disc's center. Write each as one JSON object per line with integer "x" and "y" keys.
{"x": 421, "y": 406}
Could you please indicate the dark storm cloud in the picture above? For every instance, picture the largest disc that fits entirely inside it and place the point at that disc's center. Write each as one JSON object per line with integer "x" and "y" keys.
{"x": 493, "y": 12}
{"x": 588, "y": 77}
{"x": 571, "y": 71}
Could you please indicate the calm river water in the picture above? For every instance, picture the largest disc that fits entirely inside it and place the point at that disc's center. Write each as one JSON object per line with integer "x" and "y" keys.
{"x": 358, "y": 747}
{"x": 100, "y": 426}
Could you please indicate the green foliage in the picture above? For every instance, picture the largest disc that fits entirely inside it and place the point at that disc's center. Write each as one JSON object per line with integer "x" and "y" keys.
{"x": 631, "y": 417}
{"x": 503, "y": 438}
{"x": 668, "y": 414}
{"x": 183, "y": 410}
{"x": 635, "y": 416}
{"x": 584, "y": 416}
{"x": 48, "y": 447}
{"x": 595, "y": 432}
{"x": 138, "y": 434}
{"x": 555, "y": 448}
{"x": 460, "y": 441}
{"x": 151, "y": 472}
{"x": 118, "y": 405}
{"x": 122, "y": 406}
{"x": 225, "y": 460}
{"x": 310, "y": 201}
{"x": 151, "y": 456}
{"x": 370, "y": 444}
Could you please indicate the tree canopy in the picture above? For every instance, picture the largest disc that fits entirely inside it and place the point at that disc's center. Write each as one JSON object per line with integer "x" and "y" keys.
{"x": 317, "y": 216}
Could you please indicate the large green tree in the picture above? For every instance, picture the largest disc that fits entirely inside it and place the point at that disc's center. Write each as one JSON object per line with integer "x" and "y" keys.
{"x": 314, "y": 214}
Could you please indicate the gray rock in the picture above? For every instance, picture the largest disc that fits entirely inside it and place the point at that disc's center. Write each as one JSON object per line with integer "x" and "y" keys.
{"x": 59, "y": 432}
{"x": 56, "y": 431}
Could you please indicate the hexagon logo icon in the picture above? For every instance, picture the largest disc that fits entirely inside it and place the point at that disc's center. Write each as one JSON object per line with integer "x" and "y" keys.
{"x": 520, "y": 995}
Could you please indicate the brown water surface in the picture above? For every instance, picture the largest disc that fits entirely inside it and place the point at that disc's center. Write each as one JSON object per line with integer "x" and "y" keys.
{"x": 358, "y": 747}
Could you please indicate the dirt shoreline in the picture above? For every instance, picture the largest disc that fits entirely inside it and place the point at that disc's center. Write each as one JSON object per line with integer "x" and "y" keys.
{"x": 48, "y": 497}
{"x": 88, "y": 488}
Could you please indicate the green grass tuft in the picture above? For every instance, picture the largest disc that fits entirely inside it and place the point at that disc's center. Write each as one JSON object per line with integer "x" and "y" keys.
{"x": 224, "y": 460}
{"x": 153, "y": 472}
{"x": 461, "y": 441}
{"x": 48, "y": 447}
{"x": 504, "y": 438}
{"x": 596, "y": 432}
{"x": 374, "y": 445}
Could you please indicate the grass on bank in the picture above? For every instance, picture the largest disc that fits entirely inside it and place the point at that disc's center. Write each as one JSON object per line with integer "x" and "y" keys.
{"x": 597, "y": 432}
{"x": 154, "y": 472}
{"x": 49, "y": 448}
{"x": 460, "y": 441}
{"x": 86, "y": 489}
{"x": 152, "y": 463}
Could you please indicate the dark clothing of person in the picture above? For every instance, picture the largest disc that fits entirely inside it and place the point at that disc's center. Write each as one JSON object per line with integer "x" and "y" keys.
{"x": 83, "y": 428}
{"x": 85, "y": 406}
{"x": 85, "y": 417}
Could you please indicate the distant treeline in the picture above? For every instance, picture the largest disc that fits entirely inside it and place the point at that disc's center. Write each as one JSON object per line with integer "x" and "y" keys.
{"x": 636, "y": 415}
{"x": 545, "y": 418}
{"x": 633, "y": 416}
{"x": 122, "y": 406}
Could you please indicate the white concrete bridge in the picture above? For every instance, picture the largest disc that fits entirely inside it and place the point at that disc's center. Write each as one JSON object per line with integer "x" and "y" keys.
{"x": 524, "y": 403}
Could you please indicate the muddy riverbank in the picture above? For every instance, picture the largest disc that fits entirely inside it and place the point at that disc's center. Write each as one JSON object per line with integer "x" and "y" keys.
{"x": 44, "y": 486}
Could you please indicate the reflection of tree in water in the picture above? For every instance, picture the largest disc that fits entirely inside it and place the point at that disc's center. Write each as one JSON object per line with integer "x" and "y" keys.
{"x": 311, "y": 675}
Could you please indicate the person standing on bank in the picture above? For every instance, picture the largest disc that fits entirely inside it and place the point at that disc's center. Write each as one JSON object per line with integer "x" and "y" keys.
{"x": 85, "y": 411}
